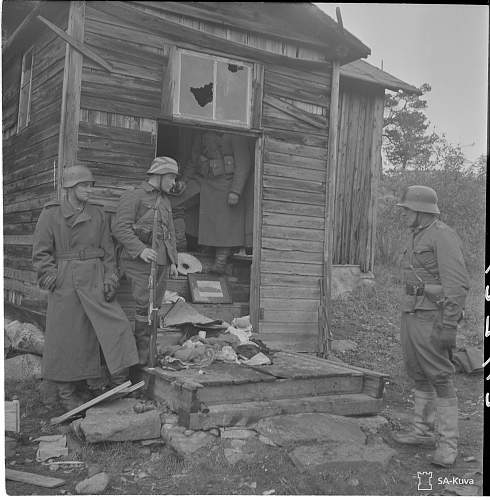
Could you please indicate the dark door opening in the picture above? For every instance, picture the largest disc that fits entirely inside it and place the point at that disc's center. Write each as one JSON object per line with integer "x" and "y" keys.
{"x": 213, "y": 164}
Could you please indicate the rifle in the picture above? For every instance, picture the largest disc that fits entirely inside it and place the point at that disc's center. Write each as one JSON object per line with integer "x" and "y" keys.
{"x": 152, "y": 285}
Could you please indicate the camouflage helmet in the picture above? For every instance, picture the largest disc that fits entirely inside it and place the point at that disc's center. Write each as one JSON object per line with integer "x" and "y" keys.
{"x": 420, "y": 199}
{"x": 75, "y": 174}
{"x": 163, "y": 165}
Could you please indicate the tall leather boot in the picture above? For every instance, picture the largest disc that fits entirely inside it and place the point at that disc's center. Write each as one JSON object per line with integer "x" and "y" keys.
{"x": 447, "y": 447}
{"x": 68, "y": 397}
{"x": 421, "y": 430}
{"x": 221, "y": 257}
{"x": 142, "y": 338}
{"x": 119, "y": 377}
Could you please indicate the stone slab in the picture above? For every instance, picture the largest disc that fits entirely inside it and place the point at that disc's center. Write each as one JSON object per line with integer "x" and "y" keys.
{"x": 315, "y": 458}
{"x": 286, "y": 430}
{"x": 184, "y": 445}
{"x": 117, "y": 421}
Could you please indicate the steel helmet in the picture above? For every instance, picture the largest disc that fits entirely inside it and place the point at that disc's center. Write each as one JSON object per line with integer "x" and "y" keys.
{"x": 75, "y": 174}
{"x": 163, "y": 165}
{"x": 420, "y": 199}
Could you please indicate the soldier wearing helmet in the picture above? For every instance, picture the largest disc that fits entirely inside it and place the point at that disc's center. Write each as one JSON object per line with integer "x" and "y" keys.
{"x": 73, "y": 255}
{"x": 133, "y": 228}
{"x": 435, "y": 287}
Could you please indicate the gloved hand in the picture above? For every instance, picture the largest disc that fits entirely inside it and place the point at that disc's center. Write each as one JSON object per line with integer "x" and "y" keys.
{"x": 178, "y": 188}
{"x": 233, "y": 198}
{"x": 109, "y": 291}
{"x": 48, "y": 282}
{"x": 447, "y": 335}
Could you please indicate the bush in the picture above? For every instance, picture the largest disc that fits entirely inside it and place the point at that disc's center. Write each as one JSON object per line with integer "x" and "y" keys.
{"x": 461, "y": 197}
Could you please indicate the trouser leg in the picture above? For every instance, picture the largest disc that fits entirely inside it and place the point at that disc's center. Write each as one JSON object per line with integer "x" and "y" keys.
{"x": 220, "y": 260}
{"x": 142, "y": 337}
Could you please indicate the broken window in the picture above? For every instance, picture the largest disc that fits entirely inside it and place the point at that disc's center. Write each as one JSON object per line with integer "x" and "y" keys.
{"x": 212, "y": 88}
{"x": 25, "y": 91}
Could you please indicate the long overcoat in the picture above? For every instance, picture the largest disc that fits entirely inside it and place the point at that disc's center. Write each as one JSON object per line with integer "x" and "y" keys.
{"x": 220, "y": 224}
{"x": 78, "y": 317}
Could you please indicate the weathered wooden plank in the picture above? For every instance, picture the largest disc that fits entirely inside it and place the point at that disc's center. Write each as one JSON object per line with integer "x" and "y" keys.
{"x": 282, "y": 303}
{"x": 299, "y": 221}
{"x": 292, "y": 89}
{"x": 316, "y": 121}
{"x": 280, "y": 389}
{"x": 29, "y": 290}
{"x": 293, "y": 196}
{"x": 272, "y": 118}
{"x": 27, "y": 205}
{"x": 321, "y": 78}
{"x": 19, "y": 274}
{"x": 280, "y": 146}
{"x": 300, "y": 174}
{"x": 290, "y": 316}
{"x": 12, "y": 416}
{"x": 246, "y": 414}
{"x": 269, "y": 278}
{"x": 17, "y": 239}
{"x": 297, "y": 209}
{"x": 121, "y": 107}
{"x": 90, "y": 131}
{"x": 290, "y": 160}
{"x": 278, "y": 292}
{"x": 293, "y": 233}
{"x": 295, "y": 137}
{"x": 114, "y": 143}
{"x": 291, "y": 256}
{"x": 35, "y": 479}
{"x": 115, "y": 157}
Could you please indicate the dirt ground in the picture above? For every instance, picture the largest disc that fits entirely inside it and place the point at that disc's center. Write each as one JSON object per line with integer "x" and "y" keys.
{"x": 370, "y": 319}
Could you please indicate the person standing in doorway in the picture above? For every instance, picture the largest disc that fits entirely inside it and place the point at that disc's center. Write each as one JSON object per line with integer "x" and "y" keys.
{"x": 435, "y": 288}
{"x": 133, "y": 228}
{"x": 73, "y": 256}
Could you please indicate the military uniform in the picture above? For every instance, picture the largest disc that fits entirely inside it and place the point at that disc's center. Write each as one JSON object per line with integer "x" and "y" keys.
{"x": 220, "y": 164}
{"x": 435, "y": 284}
{"x": 132, "y": 226}
{"x": 76, "y": 249}
{"x": 435, "y": 288}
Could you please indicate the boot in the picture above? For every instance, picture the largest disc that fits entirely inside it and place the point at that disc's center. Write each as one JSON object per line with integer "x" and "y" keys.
{"x": 447, "y": 448}
{"x": 49, "y": 394}
{"x": 142, "y": 338}
{"x": 219, "y": 266}
{"x": 119, "y": 377}
{"x": 67, "y": 393}
{"x": 421, "y": 431}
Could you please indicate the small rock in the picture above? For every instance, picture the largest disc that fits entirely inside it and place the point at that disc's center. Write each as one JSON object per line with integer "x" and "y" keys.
{"x": 469, "y": 459}
{"x": 214, "y": 432}
{"x": 93, "y": 469}
{"x": 54, "y": 467}
{"x": 188, "y": 432}
{"x": 353, "y": 482}
{"x": 343, "y": 345}
{"x": 268, "y": 492}
{"x": 142, "y": 475}
{"x": 93, "y": 485}
{"x": 237, "y": 433}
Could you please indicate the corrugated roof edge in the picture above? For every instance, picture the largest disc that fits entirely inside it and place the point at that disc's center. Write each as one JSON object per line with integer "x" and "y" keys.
{"x": 363, "y": 71}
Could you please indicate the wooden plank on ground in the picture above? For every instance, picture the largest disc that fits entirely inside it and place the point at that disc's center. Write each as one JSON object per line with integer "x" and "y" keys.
{"x": 12, "y": 416}
{"x": 35, "y": 479}
{"x": 243, "y": 414}
{"x": 89, "y": 404}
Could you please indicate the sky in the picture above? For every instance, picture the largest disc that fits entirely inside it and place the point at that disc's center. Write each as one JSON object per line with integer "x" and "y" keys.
{"x": 443, "y": 45}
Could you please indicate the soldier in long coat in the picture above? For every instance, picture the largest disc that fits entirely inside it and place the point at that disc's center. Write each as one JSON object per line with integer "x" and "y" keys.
{"x": 73, "y": 255}
{"x": 215, "y": 176}
{"x": 435, "y": 288}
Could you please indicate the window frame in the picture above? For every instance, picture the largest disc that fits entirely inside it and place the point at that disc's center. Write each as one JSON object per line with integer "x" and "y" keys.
{"x": 176, "y": 69}
{"x": 23, "y": 104}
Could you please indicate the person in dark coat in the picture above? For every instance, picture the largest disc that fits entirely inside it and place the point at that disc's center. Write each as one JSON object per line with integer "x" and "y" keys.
{"x": 215, "y": 177}
{"x": 73, "y": 255}
{"x": 133, "y": 228}
{"x": 435, "y": 288}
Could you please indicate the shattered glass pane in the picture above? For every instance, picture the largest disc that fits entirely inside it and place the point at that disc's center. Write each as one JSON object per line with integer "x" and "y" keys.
{"x": 196, "y": 86}
{"x": 232, "y": 92}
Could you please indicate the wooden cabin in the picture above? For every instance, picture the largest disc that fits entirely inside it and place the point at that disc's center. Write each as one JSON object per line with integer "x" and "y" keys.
{"x": 102, "y": 83}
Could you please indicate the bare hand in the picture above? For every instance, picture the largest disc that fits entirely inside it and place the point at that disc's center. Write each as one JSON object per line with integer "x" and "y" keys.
{"x": 233, "y": 198}
{"x": 173, "y": 271}
{"x": 148, "y": 255}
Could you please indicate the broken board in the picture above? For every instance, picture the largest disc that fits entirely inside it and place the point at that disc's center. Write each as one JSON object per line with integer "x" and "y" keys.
{"x": 35, "y": 479}
{"x": 225, "y": 392}
{"x": 12, "y": 416}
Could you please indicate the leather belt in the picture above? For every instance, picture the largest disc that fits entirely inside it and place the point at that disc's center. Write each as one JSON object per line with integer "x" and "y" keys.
{"x": 84, "y": 254}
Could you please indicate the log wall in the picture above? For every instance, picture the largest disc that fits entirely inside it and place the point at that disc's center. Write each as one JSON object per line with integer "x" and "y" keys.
{"x": 29, "y": 162}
